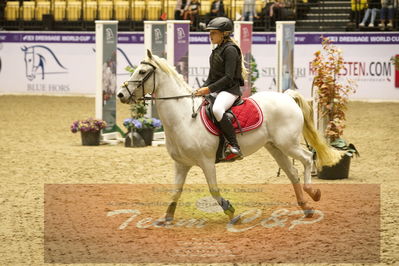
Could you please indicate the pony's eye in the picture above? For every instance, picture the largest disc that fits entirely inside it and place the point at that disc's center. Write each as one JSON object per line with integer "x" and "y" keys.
{"x": 142, "y": 72}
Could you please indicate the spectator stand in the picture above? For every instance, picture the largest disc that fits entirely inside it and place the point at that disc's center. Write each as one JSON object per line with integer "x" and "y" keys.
{"x": 310, "y": 15}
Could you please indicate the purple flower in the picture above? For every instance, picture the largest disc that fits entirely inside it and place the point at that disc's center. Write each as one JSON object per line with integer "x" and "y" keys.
{"x": 88, "y": 125}
{"x": 137, "y": 124}
{"x": 156, "y": 122}
{"x": 127, "y": 122}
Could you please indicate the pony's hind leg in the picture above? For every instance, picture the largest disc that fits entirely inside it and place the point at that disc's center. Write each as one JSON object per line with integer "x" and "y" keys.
{"x": 285, "y": 163}
{"x": 305, "y": 157}
{"x": 180, "y": 178}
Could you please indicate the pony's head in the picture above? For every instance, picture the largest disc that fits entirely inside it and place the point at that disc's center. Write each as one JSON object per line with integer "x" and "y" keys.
{"x": 152, "y": 74}
{"x": 141, "y": 82}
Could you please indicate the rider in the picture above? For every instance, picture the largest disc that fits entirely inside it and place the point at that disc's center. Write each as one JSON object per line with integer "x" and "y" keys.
{"x": 226, "y": 75}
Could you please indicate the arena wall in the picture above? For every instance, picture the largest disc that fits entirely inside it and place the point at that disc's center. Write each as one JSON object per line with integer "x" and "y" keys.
{"x": 64, "y": 62}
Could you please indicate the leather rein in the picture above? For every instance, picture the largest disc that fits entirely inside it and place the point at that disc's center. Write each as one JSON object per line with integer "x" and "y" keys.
{"x": 141, "y": 84}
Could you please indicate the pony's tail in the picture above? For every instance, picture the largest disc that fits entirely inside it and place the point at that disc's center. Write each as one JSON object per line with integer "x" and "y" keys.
{"x": 326, "y": 155}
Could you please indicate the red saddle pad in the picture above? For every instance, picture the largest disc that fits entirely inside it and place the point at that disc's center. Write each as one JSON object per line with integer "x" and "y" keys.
{"x": 248, "y": 114}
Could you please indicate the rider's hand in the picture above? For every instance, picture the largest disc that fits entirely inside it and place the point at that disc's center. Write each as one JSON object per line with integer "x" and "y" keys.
{"x": 202, "y": 91}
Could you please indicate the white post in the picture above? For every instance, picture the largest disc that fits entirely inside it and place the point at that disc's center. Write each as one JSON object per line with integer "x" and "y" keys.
{"x": 285, "y": 41}
{"x": 243, "y": 35}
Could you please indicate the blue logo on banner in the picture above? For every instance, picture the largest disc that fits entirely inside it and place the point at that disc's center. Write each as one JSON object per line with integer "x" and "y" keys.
{"x": 37, "y": 58}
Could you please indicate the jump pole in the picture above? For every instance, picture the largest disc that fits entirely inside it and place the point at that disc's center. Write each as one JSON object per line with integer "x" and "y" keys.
{"x": 243, "y": 35}
{"x": 106, "y": 42}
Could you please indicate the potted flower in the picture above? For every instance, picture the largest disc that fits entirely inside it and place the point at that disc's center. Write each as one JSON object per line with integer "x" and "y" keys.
{"x": 332, "y": 94}
{"x": 90, "y": 130}
{"x": 140, "y": 127}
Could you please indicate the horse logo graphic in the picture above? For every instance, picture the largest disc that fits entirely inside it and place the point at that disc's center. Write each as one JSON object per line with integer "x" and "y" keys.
{"x": 180, "y": 33}
{"x": 109, "y": 35}
{"x": 127, "y": 61}
{"x": 158, "y": 35}
{"x": 245, "y": 33}
{"x": 35, "y": 61}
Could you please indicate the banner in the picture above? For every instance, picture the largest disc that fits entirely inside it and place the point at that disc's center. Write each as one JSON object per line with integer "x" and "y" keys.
{"x": 106, "y": 41}
{"x": 155, "y": 37}
{"x": 59, "y": 63}
{"x": 373, "y": 71}
{"x": 178, "y": 33}
{"x": 243, "y": 34}
{"x": 159, "y": 40}
{"x": 64, "y": 63}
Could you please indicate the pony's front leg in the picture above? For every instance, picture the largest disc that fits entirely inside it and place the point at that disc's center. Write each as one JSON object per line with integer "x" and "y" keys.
{"x": 180, "y": 178}
{"x": 210, "y": 174}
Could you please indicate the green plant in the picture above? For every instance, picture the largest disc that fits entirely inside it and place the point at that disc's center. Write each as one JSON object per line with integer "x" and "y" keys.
{"x": 332, "y": 91}
{"x": 395, "y": 61}
{"x": 130, "y": 68}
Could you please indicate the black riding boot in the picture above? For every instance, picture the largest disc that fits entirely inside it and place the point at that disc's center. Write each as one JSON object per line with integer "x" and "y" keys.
{"x": 228, "y": 131}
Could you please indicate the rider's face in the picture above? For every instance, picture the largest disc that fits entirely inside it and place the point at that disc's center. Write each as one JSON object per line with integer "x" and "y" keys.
{"x": 216, "y": 36}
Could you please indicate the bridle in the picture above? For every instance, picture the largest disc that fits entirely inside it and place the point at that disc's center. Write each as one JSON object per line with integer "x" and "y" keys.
{"x": 151, "y": 97}
{"x": 141, "y": 82}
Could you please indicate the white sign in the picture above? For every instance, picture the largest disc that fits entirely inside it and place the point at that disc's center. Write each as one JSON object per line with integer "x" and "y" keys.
{"x": 64, "y": 63}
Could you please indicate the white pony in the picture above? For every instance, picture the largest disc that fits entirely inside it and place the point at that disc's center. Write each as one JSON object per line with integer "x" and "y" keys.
{"x": 286, "y": 118}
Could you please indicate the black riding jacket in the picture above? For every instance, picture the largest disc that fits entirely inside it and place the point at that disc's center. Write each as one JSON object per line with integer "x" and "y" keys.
{"x": 225, "y": 69}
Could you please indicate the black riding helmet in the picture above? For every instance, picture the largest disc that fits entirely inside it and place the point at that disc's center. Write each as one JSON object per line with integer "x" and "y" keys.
{"x": 220, "y": 23}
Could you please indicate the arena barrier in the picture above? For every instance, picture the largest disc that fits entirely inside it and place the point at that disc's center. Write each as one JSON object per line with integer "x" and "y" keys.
{"x": 65, "y": 61}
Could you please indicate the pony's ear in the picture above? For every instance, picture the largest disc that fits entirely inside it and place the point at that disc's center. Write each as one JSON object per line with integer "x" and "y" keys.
{"x": 149, "y": 54}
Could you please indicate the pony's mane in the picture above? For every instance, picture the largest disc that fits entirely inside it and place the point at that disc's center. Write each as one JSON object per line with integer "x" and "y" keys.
{"x": 165, "y": 67}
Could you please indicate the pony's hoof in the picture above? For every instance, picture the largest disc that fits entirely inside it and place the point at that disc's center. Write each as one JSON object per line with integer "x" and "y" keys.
{"x": 165, "y": 222}
{"x": 317, "y": 195}
{"x": 308, "y": 213}
{"x": 235, "y": 220}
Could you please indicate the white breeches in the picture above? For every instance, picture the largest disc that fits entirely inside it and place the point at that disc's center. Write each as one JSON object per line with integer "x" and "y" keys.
{"x": 224, "y": 100}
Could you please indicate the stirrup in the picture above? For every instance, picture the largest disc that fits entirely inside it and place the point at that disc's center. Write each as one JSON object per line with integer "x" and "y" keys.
{"x": 235, "y": 151}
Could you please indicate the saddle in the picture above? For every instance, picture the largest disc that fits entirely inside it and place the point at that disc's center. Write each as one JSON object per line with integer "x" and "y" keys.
{"x": 245, "y": 115}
